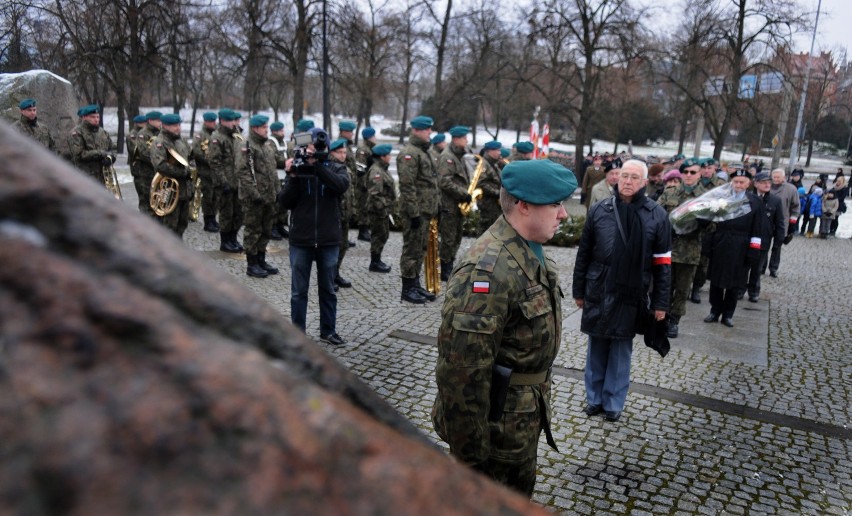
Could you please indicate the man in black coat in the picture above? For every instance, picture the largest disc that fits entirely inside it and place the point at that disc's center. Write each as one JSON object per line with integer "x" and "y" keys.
{"x": 626, "y": 245}
{"x": 732, "y": 248}
{"x": 773, "y": 231}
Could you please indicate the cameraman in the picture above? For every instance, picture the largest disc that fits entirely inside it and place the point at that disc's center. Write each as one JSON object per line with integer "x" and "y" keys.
{"x": 312, "y": 192}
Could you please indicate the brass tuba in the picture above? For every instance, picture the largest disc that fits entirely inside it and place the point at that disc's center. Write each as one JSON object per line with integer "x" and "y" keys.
{"x": 474, "y": 192}
{"x": 432, "y": 263}
{"x": 111, "y": 181}
{"x": 165, "y": 190}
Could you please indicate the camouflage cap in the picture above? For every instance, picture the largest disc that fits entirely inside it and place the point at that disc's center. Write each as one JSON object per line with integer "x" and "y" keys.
{"x": 538, "y": 181}
{"x": 438, "y": 138}
{"x": 524, "y": 147}
{"x": 27, "y": 103}
{"x": 346, "y": 125}
{"x": 492, "y": 145}
{"x": 368, "y": 132}
{"x": 422, "y": 122}
{"x": 382, "y": 150}
{"x": 304, "y": 125}
{"x": 170, "y": 119}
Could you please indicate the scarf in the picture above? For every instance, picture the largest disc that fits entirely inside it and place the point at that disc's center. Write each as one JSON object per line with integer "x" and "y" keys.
{"x": 628, "y": 259}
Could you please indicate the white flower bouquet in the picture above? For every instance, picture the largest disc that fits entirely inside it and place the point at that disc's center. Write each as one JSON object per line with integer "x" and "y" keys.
{"x": 716, "y": 205}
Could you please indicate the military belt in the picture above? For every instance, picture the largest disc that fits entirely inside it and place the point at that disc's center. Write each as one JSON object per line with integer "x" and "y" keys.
{"x": 528, "y": 378}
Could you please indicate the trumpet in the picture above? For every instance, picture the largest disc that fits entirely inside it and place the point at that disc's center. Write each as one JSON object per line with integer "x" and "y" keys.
{"x": 165, "y": 190}
{"x": 474, "y": 192}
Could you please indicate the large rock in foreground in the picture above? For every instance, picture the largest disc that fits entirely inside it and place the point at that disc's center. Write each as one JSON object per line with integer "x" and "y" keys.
{"x": 56, "y": 102}
{"x": 135, "y": 377}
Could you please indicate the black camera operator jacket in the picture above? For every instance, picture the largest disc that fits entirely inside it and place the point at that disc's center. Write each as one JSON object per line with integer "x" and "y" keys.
{"x": 312, "y": 194}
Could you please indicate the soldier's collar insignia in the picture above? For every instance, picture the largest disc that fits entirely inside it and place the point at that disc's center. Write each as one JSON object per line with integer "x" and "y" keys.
{"x": 481, "y": 287}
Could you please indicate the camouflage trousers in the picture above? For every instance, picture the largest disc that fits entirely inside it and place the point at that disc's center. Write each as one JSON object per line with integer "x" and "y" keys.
{"x": 230, "y": 212}
{"x": 209, "y": 197}
{"x": 258, "y": 226}
{"x": 682, "y": 274}
{"x": 142, "y": 178}
{"x": 361, "y": 195}
{"x": 379, "y": 231}
{"x": 413, "y": 248}
{"x": 701, "y": 273}
{"x": 177, "y": 220}
{"x": 489, "y": 211}
{"x": 450, "y": 226}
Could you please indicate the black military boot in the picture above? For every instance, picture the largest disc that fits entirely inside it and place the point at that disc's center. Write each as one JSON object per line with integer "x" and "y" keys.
{"x": 275, "y": 234}
{"x": 261, "y": 260}
{"x": 253, "y": 268}
{"x": 671, "y": 331}
{"x": 236, "y": 242}
{"x": 422, "y": 291}
{"x": 210, "y": 224}
{"x": 377, "y": 265}
{"x": 410, "y": 293}
{"x": 695, "y": 297}
{"x": 364, "y": 233}
{"x": 446, "y": 270}
{"x": 340, "y": 281}
{"x": 226, "y": 245}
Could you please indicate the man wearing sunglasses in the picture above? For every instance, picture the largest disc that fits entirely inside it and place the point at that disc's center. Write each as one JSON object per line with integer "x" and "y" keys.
{"x": 686, "y": 249}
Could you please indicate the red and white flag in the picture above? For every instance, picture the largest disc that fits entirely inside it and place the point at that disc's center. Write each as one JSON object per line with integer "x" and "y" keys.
{"x": 545, "y": 140}
{"x": 534, "y": 137}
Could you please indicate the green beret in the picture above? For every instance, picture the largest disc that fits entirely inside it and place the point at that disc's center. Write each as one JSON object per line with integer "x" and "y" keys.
{"x": 438, "y": 138}
{"x": 492, "y": 145}
{"x": 258, "y": 120}
{"x": 276, "y": 126}
{"x": 139, "y": 119}
{"x": 505, "y": 153}
{"x": 538, "y": 181}
{"x": 459, "y": 131}
{"x": 524, "y": 147}
{"x": 346, "y": 125}
{"x": 678, "y": 156}
{"x": 27, "y": 103}
{"x": 707, "y": 162}
{"x": 691, "y": 162}
{"x": 209, "y": 116}
{"x": 336, "y": 144}
{"x": 170, "y": 119}
{"x": 368, "y": 132}
{"x": 382, "y": 150}
{"x": 88, "y": 110}
{"x": 304, "y": 125}
{"x": 237, "y": 114}
{"x": 153, "y": 115}
{"x": 227, "y": 115}
{"x": 422, "y": 122}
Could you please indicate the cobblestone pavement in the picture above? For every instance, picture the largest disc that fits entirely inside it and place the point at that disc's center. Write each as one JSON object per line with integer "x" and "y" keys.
{"x": 702, "y": 433}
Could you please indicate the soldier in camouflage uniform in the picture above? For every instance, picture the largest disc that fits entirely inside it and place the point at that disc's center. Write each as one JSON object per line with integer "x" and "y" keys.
{"x": 221, "y": 149}
{"x": 501, "y": 330}
{"x": 28, "y": 124}
{"x": 90, "y": 145}
{"x": 279, "y": 231}
{"x": 349, "y": 208}
{"x": 130, "y": 140}
{"x": 165, "y": 165}
{"x": 709, "y": 181}
{"x": 209, "y": 188}
{"x": 338, "y": 153}
{"x": 439, "y": 143}
{"x": 380, "y": 200}
{"x": 453, "y": 180}
{"x": 142, "y": 166}
{"x": 256, "y": 166}
{"x": 363, "y": 162}
{"x": 592, "y": 176}
{"x": 522, "y": 151}
{"x": 489, "y": 181}
{"x": 419, "y": 202}
{"x": 686, "y": 249}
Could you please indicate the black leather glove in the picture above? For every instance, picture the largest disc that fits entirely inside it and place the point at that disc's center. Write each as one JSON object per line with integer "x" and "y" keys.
{"x": 467, "y": 198}
{"x": 788, "y": 238}
{"x": 107, "y": 160}
{"x": 415, "y": 222}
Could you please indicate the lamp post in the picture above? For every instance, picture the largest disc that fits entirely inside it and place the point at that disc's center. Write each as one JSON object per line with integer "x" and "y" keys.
{"x": 796, "y": 133}
{"x": 326, "y": 114}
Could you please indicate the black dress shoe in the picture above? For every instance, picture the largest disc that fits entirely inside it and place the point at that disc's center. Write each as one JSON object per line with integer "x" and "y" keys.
{"x": 342, "y": 282}
{"x": 753, "y": 299}
{"x": 712, "y": 317}
{"x": 740, "y": 296}
{"x": 695, "y": 297}
{"x": 593, "y": 410}
{"x": 728, "y": 322}
{"x": 333, "y": 339}
{"x": 351, "y": 243}
{"x": 672, "y": 330}
{"x": 773, "y": 274}
{"x": 612, "y": 416}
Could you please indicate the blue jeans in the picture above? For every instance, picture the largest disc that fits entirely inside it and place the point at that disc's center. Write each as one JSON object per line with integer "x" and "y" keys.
{"x": 608, "y": 372}
{"x": 301, "y": 260}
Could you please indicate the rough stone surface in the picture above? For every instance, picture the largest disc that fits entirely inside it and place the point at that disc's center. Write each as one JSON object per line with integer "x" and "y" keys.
{"x": 135, "y": 378}
{"x": 56, "y": 101}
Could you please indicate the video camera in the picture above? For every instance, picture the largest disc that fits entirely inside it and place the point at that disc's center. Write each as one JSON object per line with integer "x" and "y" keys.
{"x": 318, "y": 138}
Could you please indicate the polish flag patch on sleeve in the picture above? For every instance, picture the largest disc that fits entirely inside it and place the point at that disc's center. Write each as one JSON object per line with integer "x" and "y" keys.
{"x": 408, "y": 157}
{"x": 755, "y": 243}
{"x": 663, "y": 258}
{"x": 481, "y": 287}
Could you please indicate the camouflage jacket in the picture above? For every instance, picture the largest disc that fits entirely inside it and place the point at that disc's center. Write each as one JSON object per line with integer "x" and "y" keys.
{"x": 502, "y": 307}
{"x": 165, "y": 165}
{"x": 418, "y": 180}
{"x": 685, "y": 248}
{"x": 89, "y": 145}
{"x": 435, "y": 154}
{"x": 130, "y": 143}
{"x": 489, "y": 180}
{"x": 710, "y": 183}
{"x": 221, "y": 155}
{"x": 348, "y": 198}
{"x": 592, "y": 177}
{"x": 453, "y": 178}
{"x": 198, "y": 154}
{"x": 364, "y": 158}
{"x": 35, "y": 131}
{"x": 261, "y": 186}
{"x": 381, "y": 189}
{"x": 142, "y": 155}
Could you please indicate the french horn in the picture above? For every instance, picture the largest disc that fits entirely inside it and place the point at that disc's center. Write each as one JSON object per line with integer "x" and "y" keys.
{"x": 165, "y": 190}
